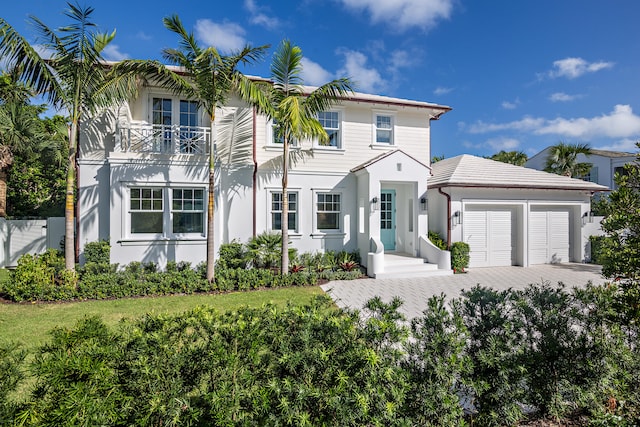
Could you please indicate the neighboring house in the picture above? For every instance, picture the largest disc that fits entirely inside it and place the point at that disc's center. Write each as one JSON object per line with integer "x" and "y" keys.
{"x": 509, "y": 215}
{"x": 143, "y": 176}
{"x": 605, "y": 164}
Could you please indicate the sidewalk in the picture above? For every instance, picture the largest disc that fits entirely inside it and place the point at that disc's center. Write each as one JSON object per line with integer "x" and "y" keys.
{"x": 415, "y": 292}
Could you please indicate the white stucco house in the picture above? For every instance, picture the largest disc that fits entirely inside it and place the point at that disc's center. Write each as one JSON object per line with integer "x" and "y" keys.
{"x": 143, "y": 183}
{"x": 143, "y": 179}
{"x": 605, "y": 164}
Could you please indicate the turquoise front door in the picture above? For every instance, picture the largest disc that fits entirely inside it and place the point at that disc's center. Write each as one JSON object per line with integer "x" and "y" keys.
{"x": 388, "y": 219}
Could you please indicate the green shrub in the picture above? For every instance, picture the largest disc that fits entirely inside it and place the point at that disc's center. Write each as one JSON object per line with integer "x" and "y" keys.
{"x": 98, "y": 252}
{"x": 437, "y": 240}
{"x": 459, "y": 256}
{"x": 11, "y": 376}
{"x": 232, "y": 255}
{"x": 597, "y": 249}
{"x": 435, "y": 364}
{"x": 494, "y": 349}
{"x": 41, "y": 278}
{"x": 263, "y": 250}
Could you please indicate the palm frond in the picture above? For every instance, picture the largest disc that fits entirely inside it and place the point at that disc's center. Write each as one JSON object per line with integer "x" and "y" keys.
{"x": 235, "y": 131}
{"x": 35, "y": 71}
{"x": 188, "y": 43}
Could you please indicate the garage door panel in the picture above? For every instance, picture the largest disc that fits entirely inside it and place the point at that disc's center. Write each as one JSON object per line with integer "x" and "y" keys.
{"x": 549, "y": 235}
{"x": 489, "y": 233}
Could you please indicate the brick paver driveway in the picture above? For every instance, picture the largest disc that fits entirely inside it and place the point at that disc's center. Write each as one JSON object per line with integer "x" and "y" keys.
{"x": 415, "y": 292}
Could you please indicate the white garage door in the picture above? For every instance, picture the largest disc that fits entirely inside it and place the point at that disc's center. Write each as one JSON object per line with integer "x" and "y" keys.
{"x": 548, "y": 235}
{"x": 489, "y": 233}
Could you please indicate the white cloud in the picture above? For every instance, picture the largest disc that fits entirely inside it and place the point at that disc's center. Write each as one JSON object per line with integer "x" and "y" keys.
{"x": 563, "y": 97}
{"x": 572, "y": 68}
{"x": 260, "y": 18}
{"x": 143, "y": 36}
{"x": 506, "y": 144}
{"x": 620, "y": 123}
{"x": 510, "y": 105}
{"x": 628, "y": 145}
{"x": 404, "y": 14}
{"x": 399, "y": 59}
{"x": 226, "y": 37}
{"x": 366, "y": 79}
{"x": 313, "y": 74}
{"x": 525, "y": 124}
{"x": 112, "y": 53}
{"x": 440, "y": 90}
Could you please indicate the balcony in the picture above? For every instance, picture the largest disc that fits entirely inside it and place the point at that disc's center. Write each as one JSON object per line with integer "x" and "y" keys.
{"x": 163, "y": 139}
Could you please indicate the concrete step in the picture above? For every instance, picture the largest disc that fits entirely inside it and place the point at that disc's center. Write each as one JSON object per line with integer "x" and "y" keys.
{"x": 407, "y": 266}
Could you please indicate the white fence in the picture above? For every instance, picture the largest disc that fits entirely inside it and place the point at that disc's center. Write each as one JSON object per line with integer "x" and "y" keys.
{"x": 28, "y": 236}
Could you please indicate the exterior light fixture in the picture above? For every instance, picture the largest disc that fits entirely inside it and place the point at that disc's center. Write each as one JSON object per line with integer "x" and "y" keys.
{"x": 423, "y": 204}
{"x": 456, "y": 218}
{"x": 374, "y": 204}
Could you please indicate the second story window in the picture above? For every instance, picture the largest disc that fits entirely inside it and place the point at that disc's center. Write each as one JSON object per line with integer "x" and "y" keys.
{"x": 330, "y": 121}
{"x": 383, "y": 129}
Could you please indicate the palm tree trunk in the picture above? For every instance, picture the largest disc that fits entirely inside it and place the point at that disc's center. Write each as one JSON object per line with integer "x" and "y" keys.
{"x": 284, "y": 222}
{"x": 3, "y": 193}
{"x": 69, "y": 223}
{"x": 211, "y": 252}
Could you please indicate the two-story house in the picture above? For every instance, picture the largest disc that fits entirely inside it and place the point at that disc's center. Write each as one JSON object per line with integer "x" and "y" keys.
{"x": 605, "y": 164}
{"x": 143, "y": 178}
{"x": 143, "y": 184}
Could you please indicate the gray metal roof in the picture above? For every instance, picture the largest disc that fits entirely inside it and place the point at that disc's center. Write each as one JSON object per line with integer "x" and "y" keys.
{"x": 471, "y": 171}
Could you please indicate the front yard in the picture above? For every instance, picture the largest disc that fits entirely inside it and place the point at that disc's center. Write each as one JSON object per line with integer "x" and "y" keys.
{"x": 29, "y": 324}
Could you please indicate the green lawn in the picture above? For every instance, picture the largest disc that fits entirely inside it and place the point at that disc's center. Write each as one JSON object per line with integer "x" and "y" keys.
{"x": 29, "y": 324}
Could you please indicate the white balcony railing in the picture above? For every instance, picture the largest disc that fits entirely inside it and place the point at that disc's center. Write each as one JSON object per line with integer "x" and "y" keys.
{"x": 147, "y": 138}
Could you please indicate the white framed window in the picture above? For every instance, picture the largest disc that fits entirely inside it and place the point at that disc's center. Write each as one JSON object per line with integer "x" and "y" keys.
{"x": 146, "y": 210}
{"x": 276, "y": 210}
{"x": 187, "y": 210}
{"x": 176, "y": 125}
{"x": 384, "y": 129}
{"x": 166, "y": 211}
{"x": 331, "y": 121}
{"x": 274, "y": 139}
{"x": 328, "y": 211}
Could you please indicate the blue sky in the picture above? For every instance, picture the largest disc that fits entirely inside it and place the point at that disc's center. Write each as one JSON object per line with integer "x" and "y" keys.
{"x": 519, "y": 75}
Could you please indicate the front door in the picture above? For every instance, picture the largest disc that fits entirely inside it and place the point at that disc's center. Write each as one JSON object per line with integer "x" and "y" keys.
{"x": 388, "y": 219}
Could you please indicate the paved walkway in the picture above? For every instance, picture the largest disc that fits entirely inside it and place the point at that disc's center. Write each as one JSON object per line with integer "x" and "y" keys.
{"x": 415, "y": 292}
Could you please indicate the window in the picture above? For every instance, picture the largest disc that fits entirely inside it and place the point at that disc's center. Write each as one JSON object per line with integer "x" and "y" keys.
{"x": 276, "y": 138}
{"x": 276, "y": 211}
{"x": 146, "y": 210}
{"x": 328, "y": 211}
{"x": 383, "y": 129}
{"x": 330, "y": 121}
{"x": 188, "y": 122}
{"x": 148, "y": 214}
{"x": 188, "y": 210}
{"x": 592, "y": 176}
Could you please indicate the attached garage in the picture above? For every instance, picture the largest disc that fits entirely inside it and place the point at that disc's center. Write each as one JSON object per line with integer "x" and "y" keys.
{"x": 489, "y": 231}
{"x": 549, "y": 235}
{"x": 509, "y": 215}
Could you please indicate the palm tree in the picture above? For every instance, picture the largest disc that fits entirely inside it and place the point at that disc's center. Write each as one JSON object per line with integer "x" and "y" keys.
{"x": 517, "y": 158}
{"x": 73, "y": 78}
{"x": 21, "y": 131}
{"x": 294, "y": 112}
{"x": 562, "y": 160}
{"x": 210, "y": 80}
